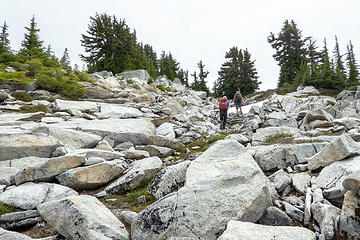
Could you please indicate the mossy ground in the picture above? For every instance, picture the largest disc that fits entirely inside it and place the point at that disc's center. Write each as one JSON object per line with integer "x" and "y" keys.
{"x": 203, "y": 143}
{"x": 129, "y": 200}
{"x": 7, "y": 209}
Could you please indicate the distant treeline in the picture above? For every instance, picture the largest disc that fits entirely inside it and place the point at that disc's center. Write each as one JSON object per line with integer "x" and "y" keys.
{"x": 301, "y": 63}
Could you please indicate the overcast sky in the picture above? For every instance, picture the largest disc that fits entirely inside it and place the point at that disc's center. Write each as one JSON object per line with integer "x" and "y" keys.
{"x": 191, "y": 30}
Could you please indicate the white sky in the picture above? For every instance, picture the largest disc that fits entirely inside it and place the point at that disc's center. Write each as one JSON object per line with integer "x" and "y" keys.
{"x": 192, "y": 30}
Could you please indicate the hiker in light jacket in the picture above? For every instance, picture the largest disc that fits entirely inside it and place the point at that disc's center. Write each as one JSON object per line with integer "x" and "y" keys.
{"x": 223, "y": 107}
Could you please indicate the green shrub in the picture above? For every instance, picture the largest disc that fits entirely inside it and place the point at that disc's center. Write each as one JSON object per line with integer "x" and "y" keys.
{"x": 22, "y": 96}
{"x": 15, "y": 77}
{"x": 7, "y": 57}
{"x": 129, "y": 81}
{"x": 33, "y": 108}
{"x": 84, "y": 77}
{"x": 7, "y": 209}
{"x": 17, "y": 66}
{"x": 58, "y": 82}
{"x": 286, "y": 88}
{"x": 33, "y": 67}
{"x": 281, "y": 138}
{"x": 164, "y": 89}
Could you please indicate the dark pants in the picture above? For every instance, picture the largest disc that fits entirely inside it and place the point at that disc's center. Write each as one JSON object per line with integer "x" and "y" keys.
{"x": 223, "y": 118}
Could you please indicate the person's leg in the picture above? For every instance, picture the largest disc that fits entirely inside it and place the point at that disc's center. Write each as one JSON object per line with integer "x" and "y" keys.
{"x": 240, "y": 109}
{"x": 237, "y": 109}
{"x": 221, "y": 119}
{"x": 225, "y": 118}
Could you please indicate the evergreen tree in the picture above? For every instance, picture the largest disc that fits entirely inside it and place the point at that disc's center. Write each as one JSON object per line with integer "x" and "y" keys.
{"x": 202, "y": 76}
{"x": 4, "y": 39}
{"x": 49, "y": 51}
{"x": 238, "y": 72}
{"x": 353, "y": 75}
{"x": 152, "y": 63}
{"x": 326, "y": 74}
{"x": 195, "y": 84}
{"x": 76, "y": 68}
{"x": 65, "y": 60}
{"x": 168, "y": 66}
{"x": 290, "y": 51}
{"x": 32, "y": 45}
{"x": 340, "y": 76}
{"x": 111, "y": 46}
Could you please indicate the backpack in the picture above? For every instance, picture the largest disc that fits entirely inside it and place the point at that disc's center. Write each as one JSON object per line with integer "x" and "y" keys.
{"x": 223, "y": 104}
{"x": 238, "y": 98}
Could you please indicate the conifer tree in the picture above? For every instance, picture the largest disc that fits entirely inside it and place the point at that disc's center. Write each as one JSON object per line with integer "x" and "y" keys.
{"x": 4, "y": 39}
{"x": 340, "y": 76}
{"x": 32, "y": 45}
{"x": 202, "y": 76}
{"x": 49, "y": 51}
{"x": 195, "y": 84}
{"x": 290, "y": 51}
{"x": 65, "y": 60}
{"x": 353, "y": 75}
{"x": 152, "y": 63}
{"x": 168, "y": 66}
{"x": 238, "y": 72}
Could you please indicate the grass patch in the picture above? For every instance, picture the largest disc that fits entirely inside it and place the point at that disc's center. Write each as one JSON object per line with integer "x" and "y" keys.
{"x": 130, "y": 199}
{"x": 203, "y": 143}
{"x": 33, "y": 109}
{"x": 330, "y": 133}
{"x": 165, "y": 89}
{"x": 4, "y": 209}
{"x": 22, "y": 96}
{"x": 281, "y": 138}
{"x": 129, "y": 81}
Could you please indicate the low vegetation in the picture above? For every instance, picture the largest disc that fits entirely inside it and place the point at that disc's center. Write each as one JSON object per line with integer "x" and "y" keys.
{"x": 4, "y": 209}
{"x": 34, "y": 108}
{"x": 165, "y": 89}
{"x": 130, "y": 200}
{"x": 281, "y": 138}
{"x": 202, "y": 144}
{"x": 22, "y": 96}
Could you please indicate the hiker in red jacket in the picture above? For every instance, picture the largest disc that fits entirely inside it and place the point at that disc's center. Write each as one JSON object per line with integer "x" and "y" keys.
{"x": 238, "y": 98}
{"x": 223, "y": 107}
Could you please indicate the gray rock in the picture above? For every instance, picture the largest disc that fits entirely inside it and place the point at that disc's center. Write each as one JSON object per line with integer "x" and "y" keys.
{"x": 47, "y": 170}
{"x": 331, "y": 177}
{"x": 141, "y": 74}
{"x": 3, "y": 95}
{"x": 10, "y": 69}
{"x": 223, "y": 182}
{"x": 251, "y": 231}
{"x": 6, "y": 174}
{"x": 281, "y": 180}
{"x": 293, "y": 212}
{"x": 128, "y": 218}
{"x": 118, "y": 111}
{"x": 60, "y": 151}
{"x": 307, "y": 210}
{"x": 8, "y": 235}
{"x": 352, "y": 182}
{"x": 139, "y": 170}
{"x": 325, "y": 215}
{"x": 168, "y": 180}
{"x": 124, "y": 146}
{"x": 93, "y": 160}
{"x": 24, "y": 145}
{"x": 301, "y": 181}
{"x": 82, "y": 106}
{"x": 30, "y": 195}
{"x": 263, "y": 134}
{"x": 341, "y": 148}
{"x": 275, "y": 217}
{"x": 120, "y": 130}
{"x": 135, "y": 154}
{"x": 318, "y": 196}
{"x": 76, "y": 139}
{"x": 238, "y": 137}
{"x": 107, "y": 155}
{"x": 93, "y": 176}
{"x": 82, "y": 217}
{"x": 18, "y": 216}
{"x": 156, "y": 150}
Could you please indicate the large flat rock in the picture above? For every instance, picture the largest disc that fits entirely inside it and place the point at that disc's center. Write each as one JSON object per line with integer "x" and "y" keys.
{"x": 82, "y": 217}
{"x": 25, "y": 145}
{"x": 63, "y": 105}
{"x": 93, "y": 176}
{"x": 244, "y": 230}
{"x": 120, "y": 130}
{"x": 224, "y": 183}
{"x": 29, "y": 195}
{"x": 118, "y": 111}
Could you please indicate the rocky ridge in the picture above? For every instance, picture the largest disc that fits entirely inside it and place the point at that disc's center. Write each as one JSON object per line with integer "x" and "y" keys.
{"x": 287, "y": 166}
